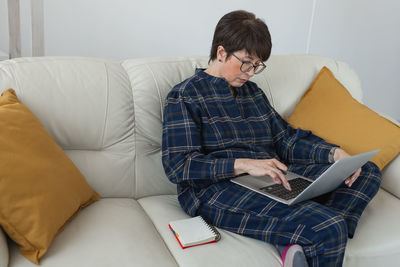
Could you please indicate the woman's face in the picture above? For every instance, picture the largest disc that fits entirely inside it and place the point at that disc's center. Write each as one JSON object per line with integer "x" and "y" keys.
{"x": 230, "y": 68}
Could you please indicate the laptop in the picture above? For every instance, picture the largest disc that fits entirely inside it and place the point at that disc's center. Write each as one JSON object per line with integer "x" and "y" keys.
{"x": 304, "y": 188}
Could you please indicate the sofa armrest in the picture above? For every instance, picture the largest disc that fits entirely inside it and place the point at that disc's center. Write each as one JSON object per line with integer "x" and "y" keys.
{"x": 3, "y": 250}
{"x": 391, "y": 177}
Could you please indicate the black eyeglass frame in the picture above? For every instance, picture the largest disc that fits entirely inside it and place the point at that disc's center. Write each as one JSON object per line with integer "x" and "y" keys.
{"x": 255, "y": 67}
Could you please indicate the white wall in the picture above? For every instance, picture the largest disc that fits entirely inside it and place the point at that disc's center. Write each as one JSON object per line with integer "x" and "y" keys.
{"x": 161, "y": 28}
{"x": 362, "y": 33}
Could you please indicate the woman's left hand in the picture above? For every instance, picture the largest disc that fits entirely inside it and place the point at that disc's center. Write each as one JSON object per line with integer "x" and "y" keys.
{"x": 341, "y": 154}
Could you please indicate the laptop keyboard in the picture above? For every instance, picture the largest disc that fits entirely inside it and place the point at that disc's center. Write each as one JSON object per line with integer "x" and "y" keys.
{"x": 297, "y": 185}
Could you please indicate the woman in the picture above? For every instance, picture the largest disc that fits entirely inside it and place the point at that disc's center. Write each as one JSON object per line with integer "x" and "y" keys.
{"x": 218, "y": 124}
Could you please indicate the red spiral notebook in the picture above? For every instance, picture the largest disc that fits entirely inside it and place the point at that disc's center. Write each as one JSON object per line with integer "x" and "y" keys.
{"x": 194, "y": 232}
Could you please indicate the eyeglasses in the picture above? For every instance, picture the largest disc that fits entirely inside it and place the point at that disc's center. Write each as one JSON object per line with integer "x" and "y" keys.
{"x": 248, "y": 66}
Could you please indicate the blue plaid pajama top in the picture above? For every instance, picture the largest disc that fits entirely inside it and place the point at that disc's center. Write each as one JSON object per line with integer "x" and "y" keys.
{"x": 205, "y": 128}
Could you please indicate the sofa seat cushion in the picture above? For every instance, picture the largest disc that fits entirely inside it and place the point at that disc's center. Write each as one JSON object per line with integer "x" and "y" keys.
{"x": 110, "y": 232}
{"x": 231, "y": 250}
{"x": 376, "y": 242}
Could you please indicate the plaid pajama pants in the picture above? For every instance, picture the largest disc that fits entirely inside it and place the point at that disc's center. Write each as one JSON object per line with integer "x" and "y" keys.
{"x": 321, "y": 226}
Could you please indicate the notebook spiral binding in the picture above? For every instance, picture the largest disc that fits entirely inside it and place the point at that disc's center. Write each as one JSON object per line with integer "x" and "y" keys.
{"x": 213, "y": 229}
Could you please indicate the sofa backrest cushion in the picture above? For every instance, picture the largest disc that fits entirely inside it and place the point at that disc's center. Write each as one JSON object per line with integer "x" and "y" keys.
{"x": 86, "y": 105}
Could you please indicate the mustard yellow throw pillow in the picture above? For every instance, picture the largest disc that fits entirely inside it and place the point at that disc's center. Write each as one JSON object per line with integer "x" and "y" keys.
{"x": 40, "y": 187}
{"x": 329, "y": 111}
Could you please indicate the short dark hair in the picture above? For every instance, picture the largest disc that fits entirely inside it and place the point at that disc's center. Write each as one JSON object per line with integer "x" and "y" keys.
{"x": 239, "y": 30}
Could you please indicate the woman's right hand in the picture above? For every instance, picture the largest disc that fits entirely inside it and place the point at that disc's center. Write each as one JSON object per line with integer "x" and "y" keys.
{"x": 263, "y": 167}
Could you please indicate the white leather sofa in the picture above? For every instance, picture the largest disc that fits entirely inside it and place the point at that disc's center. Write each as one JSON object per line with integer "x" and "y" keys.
{"x": 107, "y": 116}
